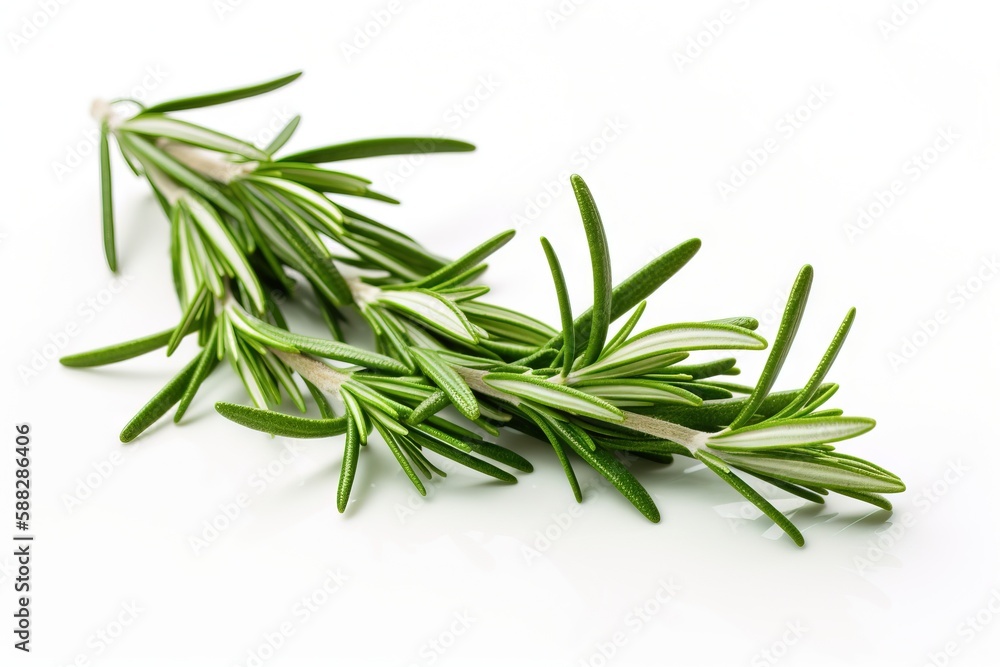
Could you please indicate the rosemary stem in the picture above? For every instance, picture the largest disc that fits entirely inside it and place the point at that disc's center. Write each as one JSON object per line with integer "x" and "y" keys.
{"x": 326, "y": 378}
{"x": 687, "y": 437}
{"x": 206, "y": 163}
{"x": 329, "y": 380}
{"x": 171, "y": 191}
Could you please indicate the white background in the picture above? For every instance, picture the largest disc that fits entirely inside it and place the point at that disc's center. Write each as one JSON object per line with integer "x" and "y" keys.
{"x": 868, "y": 589}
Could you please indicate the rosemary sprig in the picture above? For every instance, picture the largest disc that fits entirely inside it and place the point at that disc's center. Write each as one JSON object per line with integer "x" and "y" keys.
{"x": 622, "y": 399}
{"x": 246, "y": 224}
{"x": 243, "y": 218}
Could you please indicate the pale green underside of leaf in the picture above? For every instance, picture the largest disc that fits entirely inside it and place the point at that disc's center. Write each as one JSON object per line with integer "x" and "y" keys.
{"x": 829, "y": 476}
{"x": 553, "y": 395}
{"x": 792, "y": 432}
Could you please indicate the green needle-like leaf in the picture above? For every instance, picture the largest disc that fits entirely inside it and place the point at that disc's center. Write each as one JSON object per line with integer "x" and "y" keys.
{"x": 782, "y": 343}
{"x": 565, "y": 309}
{"x": 283, "y": 136}
{"x": 277, "y": 423}
{"x": 211, "y": 99}
{"x": 706, "y": 369}
{"x": 502, "y": 455}
{"x": 811, "y": 470}
{"x": 433, "y": 310}
{"x": 464, "y": 459}
{"x": 316, "y": 178}
{"x": 157, "y": 406}
{"x": 118, "y": 352}
{"x": 779, "y": 433}
{"x": 107, "y": 203}
{"x": 558, "y": 446}
{"x": 659, "y": 345}
{"x": 325, "y": 411}
{"x": 391, "y": 439}
{"x": 431, "y": 405}
{"x": 290, "y": 342}
{"x": 554, "y": 395}
{"x": 465, "y": 262}
{"x": 719, "y": 468}
{"x": 623, "y": 334}
{"x": 809, "y": 391}
{"x": 600, "y": 263}
{"x": 640, "y": 285}
{"x": 872, "y": 498}
{"x": 378, "y": 147}
{"x": 502, "y": 322}
{"x": 450, "y": 382}
{"x": 158, "y": 125}
{"x": 188, "y": 319}
{"x": 794, "y": 489}
{"x": 622, "y": 392}
{"x": 612, "y": 470}
{"x": 207, "y": 362}
{"x": 349, "y": 466}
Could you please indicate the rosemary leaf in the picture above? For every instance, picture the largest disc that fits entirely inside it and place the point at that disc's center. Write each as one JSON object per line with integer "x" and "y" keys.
{"x": 450, "y": 382}
{"x": 379, "y": 147}
{"x": 790, "y": 320}
{"x": 157, "y": 406}
{"x": 565, "y": 309}
{"x": 719, "y": 468}
{"x": 600, "y": 262}
{"x": 212, "y": 99}
{"x": 107, "y": 203}
{"x": 283, "y": 136}
{"x": 118, "y": 352}
{"x": 277, "y": 423}
{"x": 349, "y": 465}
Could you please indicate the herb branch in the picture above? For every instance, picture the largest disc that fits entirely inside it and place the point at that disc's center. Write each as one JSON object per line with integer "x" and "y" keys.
{"x": 248, "y": 226}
